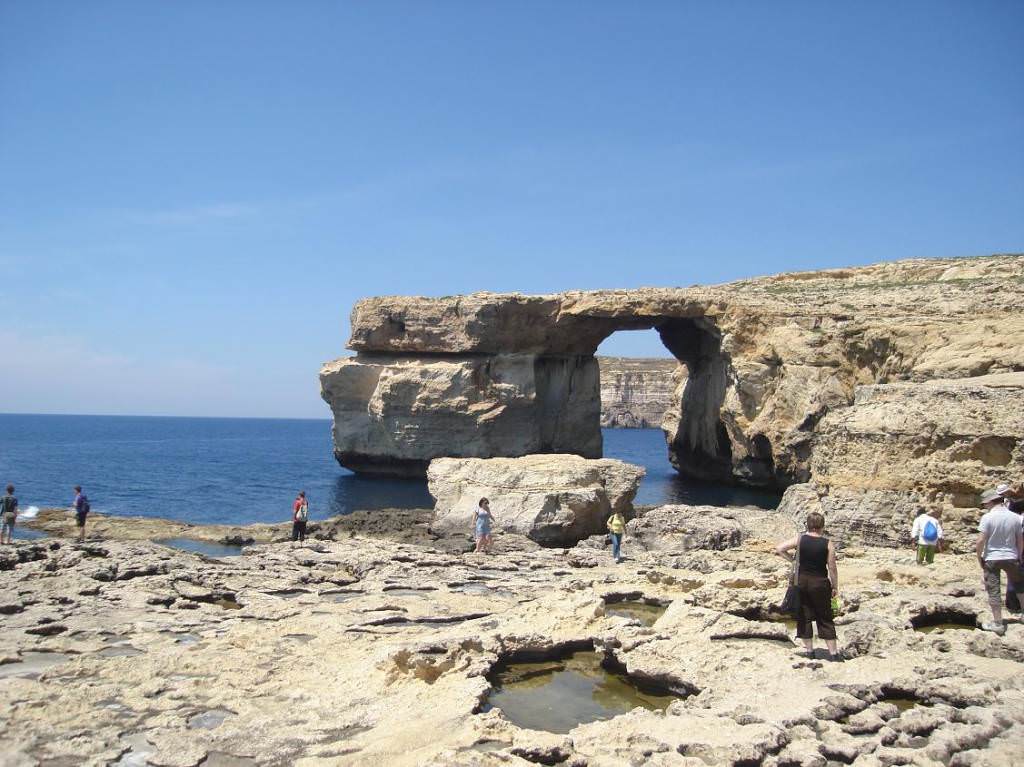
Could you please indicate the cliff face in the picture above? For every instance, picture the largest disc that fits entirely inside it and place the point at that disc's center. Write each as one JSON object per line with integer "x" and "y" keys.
{"x": 636, "y": 392}
{"x": 774, "y": 366}
{"x": 394, "y": 413}
{"x": 901, "y": 447}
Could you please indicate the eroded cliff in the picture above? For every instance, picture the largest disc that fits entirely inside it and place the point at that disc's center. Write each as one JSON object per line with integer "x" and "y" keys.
{"x": 767, "y": 360}
{"x": 636, "y": 392}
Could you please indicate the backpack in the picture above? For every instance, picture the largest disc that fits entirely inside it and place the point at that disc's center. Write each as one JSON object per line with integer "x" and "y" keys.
{"x": 6, "y": 504}
{"x": 303, "y": 513}
{"x": 930, "y": 534}
{"x": 86, "y": 508}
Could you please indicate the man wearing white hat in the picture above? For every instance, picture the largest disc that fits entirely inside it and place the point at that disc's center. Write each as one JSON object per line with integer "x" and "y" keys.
{"x": 1000, "y": 542}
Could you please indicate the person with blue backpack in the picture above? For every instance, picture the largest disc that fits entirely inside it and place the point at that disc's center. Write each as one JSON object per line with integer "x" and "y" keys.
{"x": 927, "y": 534}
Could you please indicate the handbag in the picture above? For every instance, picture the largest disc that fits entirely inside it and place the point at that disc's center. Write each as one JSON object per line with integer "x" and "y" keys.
{"x": 791, "y": 602}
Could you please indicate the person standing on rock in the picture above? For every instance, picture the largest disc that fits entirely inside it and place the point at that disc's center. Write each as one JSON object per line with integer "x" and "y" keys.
{"x": 999, "y": 547}
{"x": 927, "y": 534}
{"x": 1015, "y": 502}
{"x": 483, "y": 519}
{"x": 300, "y": 516}
{"x": 616, "y": 529}
{"x": 81, "y": 507}
{"x": 8, "y": 515}
{"x": 817, "y": 584}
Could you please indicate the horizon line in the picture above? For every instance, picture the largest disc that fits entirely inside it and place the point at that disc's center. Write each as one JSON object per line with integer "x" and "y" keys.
{"x": 147, "y": 415}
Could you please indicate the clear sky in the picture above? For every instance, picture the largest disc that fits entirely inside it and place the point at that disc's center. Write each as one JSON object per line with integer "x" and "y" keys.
{"x": 193, "y": 194}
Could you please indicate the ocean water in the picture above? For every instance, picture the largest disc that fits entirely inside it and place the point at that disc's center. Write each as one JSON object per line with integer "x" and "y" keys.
{"x": 238, "y": 470}
{"x": 663, "y": 484}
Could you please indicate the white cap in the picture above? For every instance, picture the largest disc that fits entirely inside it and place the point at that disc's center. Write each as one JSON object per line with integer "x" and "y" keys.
{"x": 997, "y": 492}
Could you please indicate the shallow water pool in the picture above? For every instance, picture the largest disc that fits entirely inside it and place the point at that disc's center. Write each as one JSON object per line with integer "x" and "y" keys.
{"x": 945, "y": 627}
{"x": 638, "y": 609}
{"x": 206, "y": 548}
{"x": 558, "y": 695}
{"x": 31, "y": 664}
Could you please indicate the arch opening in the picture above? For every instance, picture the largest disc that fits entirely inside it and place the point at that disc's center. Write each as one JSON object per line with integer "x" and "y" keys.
{"x": 701, "y": 444}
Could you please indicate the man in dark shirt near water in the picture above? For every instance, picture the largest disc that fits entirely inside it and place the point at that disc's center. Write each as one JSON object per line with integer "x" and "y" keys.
{"x": 81, "y": 505}
{"x": 8, "y": 515}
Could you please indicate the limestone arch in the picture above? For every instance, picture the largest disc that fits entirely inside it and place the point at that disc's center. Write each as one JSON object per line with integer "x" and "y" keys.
{"x": 491, "y": 375}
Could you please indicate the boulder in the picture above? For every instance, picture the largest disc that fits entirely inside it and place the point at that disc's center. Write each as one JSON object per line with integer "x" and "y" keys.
{"x": 677, "y": 528}
{"x": 556, "y": 500}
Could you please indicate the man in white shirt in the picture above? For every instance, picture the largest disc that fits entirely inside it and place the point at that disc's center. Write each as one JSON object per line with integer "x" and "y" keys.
{"x": 927, "y": 534}
{"x": 999, "y": 546}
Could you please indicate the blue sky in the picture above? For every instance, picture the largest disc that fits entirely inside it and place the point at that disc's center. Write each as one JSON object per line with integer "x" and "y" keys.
{"x": 195, "y": 193}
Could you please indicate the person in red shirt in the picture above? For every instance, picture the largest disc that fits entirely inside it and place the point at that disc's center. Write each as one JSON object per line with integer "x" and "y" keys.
{"x": 300, "y": 515}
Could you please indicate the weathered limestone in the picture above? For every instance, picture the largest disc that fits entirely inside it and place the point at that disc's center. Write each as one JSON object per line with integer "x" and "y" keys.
{"x": 367, "y": 652}
{"x": 395, "y": 524}
{"x": 636, "y": 392}
{"x": 556, "y": 500}
{"x": 900, "y": 446}
{"x": 677, "y": 528}
{"x": 393, "y": 414}
{"x": 767, "y": 361}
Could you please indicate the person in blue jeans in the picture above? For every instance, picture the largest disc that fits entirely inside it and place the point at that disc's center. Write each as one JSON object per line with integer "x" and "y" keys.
{"x": 616, "y": 528}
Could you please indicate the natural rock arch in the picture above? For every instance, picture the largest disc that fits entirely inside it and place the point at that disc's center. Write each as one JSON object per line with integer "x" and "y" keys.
{"x": 829, "y": 378}
{"x": 397, "y": 407}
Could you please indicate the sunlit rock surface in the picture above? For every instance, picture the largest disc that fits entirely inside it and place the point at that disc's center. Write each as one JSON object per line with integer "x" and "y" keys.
{"x": 771, "y": 364}
{"x": 901, "y": 445}
{"x": 551, "y": 499}
{"x": 392, "y": 415}
{"x": 636, "y": 392}
{"x": 368, "y": 652}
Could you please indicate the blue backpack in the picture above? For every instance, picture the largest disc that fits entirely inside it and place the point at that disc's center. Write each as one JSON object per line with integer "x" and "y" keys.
{"x": 931, "y": 532}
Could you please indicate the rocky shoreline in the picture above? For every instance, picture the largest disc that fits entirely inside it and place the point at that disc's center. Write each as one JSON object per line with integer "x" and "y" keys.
{"x": 365, "y": 650}
{"x": 410, "y": 525}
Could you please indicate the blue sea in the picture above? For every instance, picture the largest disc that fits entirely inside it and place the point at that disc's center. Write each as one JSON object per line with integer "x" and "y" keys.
{"x": 238, "y": 470}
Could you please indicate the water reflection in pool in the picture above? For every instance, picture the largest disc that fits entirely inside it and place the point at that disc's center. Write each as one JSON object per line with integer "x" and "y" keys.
{"x": 637, "y": 609}
{"x": 206, "y": 548}
{"x": 557, "y": 695}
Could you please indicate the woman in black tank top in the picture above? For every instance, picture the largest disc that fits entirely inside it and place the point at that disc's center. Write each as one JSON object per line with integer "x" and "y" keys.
{"x": 817, "y": 583}
{"x": 814, "y": 554}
